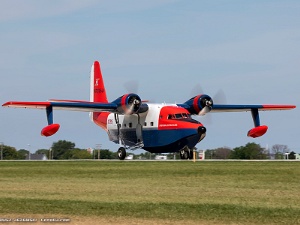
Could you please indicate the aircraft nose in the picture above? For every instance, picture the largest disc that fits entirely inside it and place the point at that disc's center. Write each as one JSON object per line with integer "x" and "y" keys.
{"x": 201, "y": 130}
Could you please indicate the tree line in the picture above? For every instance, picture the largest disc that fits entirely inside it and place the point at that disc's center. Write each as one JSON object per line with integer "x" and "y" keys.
{"x": 63, "y": 149}
{"x": 59, "y": 150}
{"x": 250, "y": 151}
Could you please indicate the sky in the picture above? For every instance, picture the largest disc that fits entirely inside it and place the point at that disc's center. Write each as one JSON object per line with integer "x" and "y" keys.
{"x": 248, "y": 49}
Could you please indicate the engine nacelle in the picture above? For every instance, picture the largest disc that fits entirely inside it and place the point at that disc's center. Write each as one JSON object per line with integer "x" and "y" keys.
{"x": 199, "y": 103}
{"x": 128, "y": 103}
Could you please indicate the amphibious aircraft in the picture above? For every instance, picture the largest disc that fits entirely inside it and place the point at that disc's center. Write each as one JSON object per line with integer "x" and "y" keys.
{"x": 133, "y": 123}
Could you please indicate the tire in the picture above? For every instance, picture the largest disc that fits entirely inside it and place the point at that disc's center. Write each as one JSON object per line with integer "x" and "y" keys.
{"x": 191, "y": 154}
{"x": 121, "y": 153}
{"x": 184, "y": 154}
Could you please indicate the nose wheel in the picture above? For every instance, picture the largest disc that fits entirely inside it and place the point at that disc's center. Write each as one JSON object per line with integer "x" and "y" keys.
{"x": 121, "y": 153}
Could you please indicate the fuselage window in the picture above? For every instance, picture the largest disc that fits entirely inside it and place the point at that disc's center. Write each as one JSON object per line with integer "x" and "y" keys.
{"x": 145, "y": 124}
{"x": 151, "y": 124}
{"x": 130, "y": 125}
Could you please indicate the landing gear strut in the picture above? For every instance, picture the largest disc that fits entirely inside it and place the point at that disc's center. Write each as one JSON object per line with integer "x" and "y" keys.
{"x": 121, "y": 153}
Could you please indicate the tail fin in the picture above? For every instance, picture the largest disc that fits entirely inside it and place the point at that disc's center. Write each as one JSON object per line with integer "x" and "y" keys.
{"x": 97, "y": 89}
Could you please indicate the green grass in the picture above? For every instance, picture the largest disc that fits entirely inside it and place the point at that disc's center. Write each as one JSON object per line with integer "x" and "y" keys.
{"x": 214, "y": 192}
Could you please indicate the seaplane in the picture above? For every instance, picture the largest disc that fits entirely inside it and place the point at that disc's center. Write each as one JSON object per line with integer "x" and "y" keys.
{"x": 136, "y": 124}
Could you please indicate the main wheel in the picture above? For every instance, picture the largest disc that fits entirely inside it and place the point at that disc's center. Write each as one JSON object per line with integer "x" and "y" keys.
{"x": 184, "y": 154}
{"x": 191, "y": 154}
{"x": 121, "y": 153}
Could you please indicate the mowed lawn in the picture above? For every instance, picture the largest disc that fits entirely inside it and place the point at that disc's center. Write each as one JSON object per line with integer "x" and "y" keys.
{"x": 206, "y": 192}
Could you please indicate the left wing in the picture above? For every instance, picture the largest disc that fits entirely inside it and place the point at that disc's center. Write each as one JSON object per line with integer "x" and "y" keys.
{"x": 202, "y": 104}
{"x": 258, "y": 129}
{"x": 83, "y": 106}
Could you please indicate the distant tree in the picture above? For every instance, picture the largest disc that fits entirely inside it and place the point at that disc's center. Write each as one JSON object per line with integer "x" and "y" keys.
{"x": 279, "y": 151}
{"x": 146, "y": 155}
{"x": 222, "y": 153}
{"x": 22, "y": 153}
{"x": 9, "y": 152}
{"x": 249, "y": 151}
{"x": 218, "y": 153}
{"x": 106, "y": 154}
{"x": 82, "y": 154}
{"x": 76, "y": 153}
{"x": 60, "y": 148}
{"x": 43, "y": 151}
{"x": 171, "y": 156}
{"x": 292, "y": 155}
{"x": 67, "y": 154}
{"x": 210, "y": 154}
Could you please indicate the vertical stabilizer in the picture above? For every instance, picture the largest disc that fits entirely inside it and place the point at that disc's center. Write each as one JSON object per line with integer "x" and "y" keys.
{"x": 97, "y": 89}
{"x": 98, "y": 94}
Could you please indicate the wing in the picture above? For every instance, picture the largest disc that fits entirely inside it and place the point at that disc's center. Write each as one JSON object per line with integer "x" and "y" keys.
{"x": 202, "y": 104}
{"x": 83, "y": 106}
{"x": 121, "y": 105}
{"x": 52, "y": 128}
{"x": 244, "y": 108}
{"x": 258, "y": 129}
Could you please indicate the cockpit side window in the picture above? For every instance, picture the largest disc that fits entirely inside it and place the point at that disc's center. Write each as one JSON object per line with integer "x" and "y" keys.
{"x": 178, "y": 115}
{"x": 170, "y": 116}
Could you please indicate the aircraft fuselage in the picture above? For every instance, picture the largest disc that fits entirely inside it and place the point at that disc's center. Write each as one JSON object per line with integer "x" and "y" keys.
{"x": 163, "y": 128}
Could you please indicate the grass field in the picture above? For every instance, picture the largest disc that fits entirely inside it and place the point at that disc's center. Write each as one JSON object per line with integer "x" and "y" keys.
{"x": 129, "y": 192}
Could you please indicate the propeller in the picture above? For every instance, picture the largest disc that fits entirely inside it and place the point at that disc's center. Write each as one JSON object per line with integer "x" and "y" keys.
{"x": 134, "y": 105}
{"x": 131, "y": 86}
{"x": 218, "y": 98}
{"x": 197, "y": 89}
{"x": 208, "y": 105}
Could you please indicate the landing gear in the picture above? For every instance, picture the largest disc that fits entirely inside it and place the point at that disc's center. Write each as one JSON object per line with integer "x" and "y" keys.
{"x": 121, "y": 153}
{"x": 186, "y": 153}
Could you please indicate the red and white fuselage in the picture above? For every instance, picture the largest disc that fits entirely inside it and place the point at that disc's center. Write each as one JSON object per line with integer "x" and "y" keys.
{"x": 162, "y": 128}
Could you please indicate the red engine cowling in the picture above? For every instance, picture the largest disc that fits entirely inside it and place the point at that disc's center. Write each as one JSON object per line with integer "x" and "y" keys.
{"x": 199, "y": 104}
{"x": 128, "y": 103}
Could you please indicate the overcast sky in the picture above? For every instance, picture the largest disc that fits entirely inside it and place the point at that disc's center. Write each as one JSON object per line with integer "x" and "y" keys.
{"x": 249, "y": 49}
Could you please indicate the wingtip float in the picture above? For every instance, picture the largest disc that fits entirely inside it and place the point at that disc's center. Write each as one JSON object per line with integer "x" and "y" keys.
{"x": 257, "y": 131}
{"x": 50, "y": 130}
